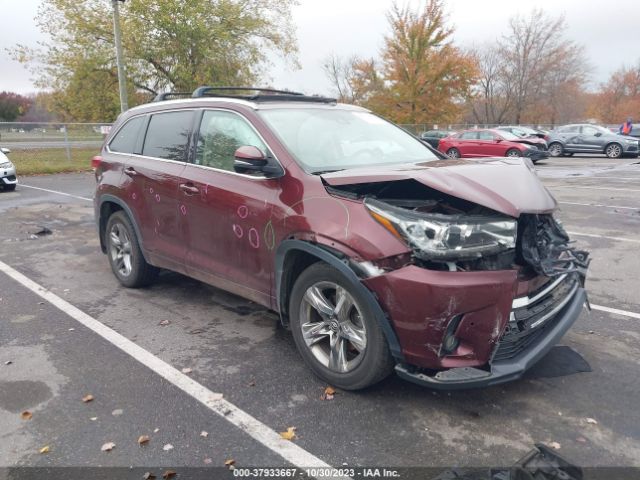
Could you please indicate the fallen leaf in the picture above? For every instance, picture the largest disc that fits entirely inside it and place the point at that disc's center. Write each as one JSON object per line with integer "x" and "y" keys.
{"x": 164, "y": 323}
{"x": 26, "y": 415}
{"x": 107, "y": 447}
{"x": 592, "y": 421}
{"x": 143, "y": 439}
{"x": 252, "y": 383}
{"x": 555, "y": 445}
{"x": 117, "y": 412}
{"x": 187, "y": 370}
{"x": 87, "y": 398}
{"x": 169, "y": 474}
{"x": 156, "y": 430}
{"x": 45, "y": 449}
{"x": 328, "y": 393}
{"x": 148, "y": 476}
{"x": 290, "y": 434}
{"x": 93, "y": 419}
{"x": 230, "y": 464}
{"x": 167, "y": 447}
{"x": 208, "y": 461}
{"x": 8, "y": 362}
{"x": 204, "y": 434}
{"x": 72, "y": 329}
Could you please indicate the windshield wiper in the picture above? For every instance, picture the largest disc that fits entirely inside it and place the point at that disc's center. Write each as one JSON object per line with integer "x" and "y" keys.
{"x": 322, "y": 172}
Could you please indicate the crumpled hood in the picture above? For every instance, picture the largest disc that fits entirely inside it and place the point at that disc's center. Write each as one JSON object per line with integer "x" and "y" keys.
{"x": 503, "y": 185}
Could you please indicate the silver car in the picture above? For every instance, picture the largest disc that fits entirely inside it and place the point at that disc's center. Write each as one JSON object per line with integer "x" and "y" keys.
{"x": 8, "y": 179}
{"x": 586, "y": 138}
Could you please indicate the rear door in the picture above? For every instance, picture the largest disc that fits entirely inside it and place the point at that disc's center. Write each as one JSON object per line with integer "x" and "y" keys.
{"x": 155, "y": 175}
{"x": 467, "y": 143}
{"x": 225, "y": 216}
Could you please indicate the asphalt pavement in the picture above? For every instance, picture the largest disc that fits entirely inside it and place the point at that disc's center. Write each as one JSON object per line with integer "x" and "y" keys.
{"x": 236, "y": 348}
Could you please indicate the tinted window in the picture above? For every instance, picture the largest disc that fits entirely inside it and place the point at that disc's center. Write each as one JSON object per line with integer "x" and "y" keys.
{"x": 469, "y": 135}
{"x": 483, "y": 135}
{"x": 221, "y": 134}
{"x": 569, "y": 129}
{"x": 589, "y": 130}
{"x": 168, "y": 135}
{"x": 126, "y": 139}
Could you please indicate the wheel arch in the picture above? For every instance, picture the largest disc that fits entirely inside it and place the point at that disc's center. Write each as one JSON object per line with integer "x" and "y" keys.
{"x": 613, "y": 142}
{"x": 293, "y": 256}
{"x": 108, "y": 205}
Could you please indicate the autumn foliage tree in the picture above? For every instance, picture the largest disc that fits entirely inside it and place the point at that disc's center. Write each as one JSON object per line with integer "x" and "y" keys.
{"x": 13, "y": 106}
{"x": 420, "y": 77}
{"x": 168, "y": 45}
{"x": 619, "y": 97}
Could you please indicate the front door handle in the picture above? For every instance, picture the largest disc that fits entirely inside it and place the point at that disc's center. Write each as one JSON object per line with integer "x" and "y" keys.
{"x": 189, "y": 189}
{"x": 130, "y": 171}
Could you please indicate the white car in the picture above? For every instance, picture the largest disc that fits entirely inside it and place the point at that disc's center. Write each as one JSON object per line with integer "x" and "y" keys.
{"x": 8, "y": 179}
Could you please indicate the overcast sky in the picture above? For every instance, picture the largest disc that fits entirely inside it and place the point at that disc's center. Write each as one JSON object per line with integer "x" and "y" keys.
{"x": 609, "y": 31}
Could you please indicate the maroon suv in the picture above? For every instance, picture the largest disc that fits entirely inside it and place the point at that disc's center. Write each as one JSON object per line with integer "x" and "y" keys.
{"x": 376, "y": 253}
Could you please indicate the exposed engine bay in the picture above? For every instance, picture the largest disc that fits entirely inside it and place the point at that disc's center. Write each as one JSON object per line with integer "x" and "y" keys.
{"x": 450, "y": 233}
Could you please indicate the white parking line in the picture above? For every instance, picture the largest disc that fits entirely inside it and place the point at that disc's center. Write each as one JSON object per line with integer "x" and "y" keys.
{"x": 616, "y": 311}
{"x": 597, "y": 188}
{"x": 593, "y": 235}
{"x": 214, "y": 401}
{"x": 599, "y": 205}
{"x": 55, "y": 191}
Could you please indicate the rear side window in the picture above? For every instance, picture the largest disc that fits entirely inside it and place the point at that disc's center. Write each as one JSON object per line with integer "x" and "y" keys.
{"x": 127, "y": 137}
{"x": 485, "y": 135}
{"x": 469, "y": 135}
{"x": 168, "y": 135}
{"x": 569, "y": 129}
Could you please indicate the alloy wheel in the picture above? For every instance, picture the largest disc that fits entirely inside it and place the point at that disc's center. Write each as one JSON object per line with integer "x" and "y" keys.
{"x": 120, "y": 249}
{"x": 332, "y": 327}
{"x": 614, "y": 150}
{"x": 555, "y": 150}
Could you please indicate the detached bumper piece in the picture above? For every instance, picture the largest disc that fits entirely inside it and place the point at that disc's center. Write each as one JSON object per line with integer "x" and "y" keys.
{"x": 537, "y": 323}
{"x": 541, "y": 463}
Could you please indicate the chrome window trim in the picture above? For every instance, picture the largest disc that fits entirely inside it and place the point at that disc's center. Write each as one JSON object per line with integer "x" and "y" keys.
{"x": 525, "y": 301}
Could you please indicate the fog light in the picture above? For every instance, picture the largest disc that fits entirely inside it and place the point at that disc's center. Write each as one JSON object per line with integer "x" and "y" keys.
{"x": 450, "y": 342}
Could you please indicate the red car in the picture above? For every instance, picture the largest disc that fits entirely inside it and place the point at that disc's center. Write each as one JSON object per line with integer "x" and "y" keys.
{"x": 492, "y": 143}
{"x": 375, "y": 252}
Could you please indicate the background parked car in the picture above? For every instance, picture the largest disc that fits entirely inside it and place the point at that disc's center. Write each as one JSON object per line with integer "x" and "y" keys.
{"x": 8, "y": 179}
{"x": 433, "y": 137}
{"x": 525, "y": 131}
{"x": 586, "y": 138}
{"x": 492, "y": 143}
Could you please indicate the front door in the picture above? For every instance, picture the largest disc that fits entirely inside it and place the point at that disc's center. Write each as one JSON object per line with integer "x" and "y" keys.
{"x": 225, "y": 216}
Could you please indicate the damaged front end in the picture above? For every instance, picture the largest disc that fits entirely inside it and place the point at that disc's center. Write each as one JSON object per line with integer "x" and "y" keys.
{"x": 484, "y": 294}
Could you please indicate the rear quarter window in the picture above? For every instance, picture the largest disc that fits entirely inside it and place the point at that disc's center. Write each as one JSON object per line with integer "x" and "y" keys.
{"x": 126, "y": 139}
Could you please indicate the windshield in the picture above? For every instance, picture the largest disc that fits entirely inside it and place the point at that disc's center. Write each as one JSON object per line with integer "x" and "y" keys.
{"x": 509, "y": 136}
{"x": 324, "y": 140}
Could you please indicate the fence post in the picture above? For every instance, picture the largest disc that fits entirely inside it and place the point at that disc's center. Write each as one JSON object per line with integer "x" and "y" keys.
{"x": 66, "y": 144}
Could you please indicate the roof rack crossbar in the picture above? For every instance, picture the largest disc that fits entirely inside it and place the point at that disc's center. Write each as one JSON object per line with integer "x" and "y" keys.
{"x": 161, "y": 97}
{"x": 211, "y": 91}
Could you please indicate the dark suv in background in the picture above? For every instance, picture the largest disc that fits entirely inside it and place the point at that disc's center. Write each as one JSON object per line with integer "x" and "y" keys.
{"x": 376, "y": 253}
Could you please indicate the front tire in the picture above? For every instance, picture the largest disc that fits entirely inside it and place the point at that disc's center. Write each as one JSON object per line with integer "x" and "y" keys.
{"x": 613, "y": 150}
{"x": 335, "y": 330}
{"x": 125, "y": 256}
{"x": 556, "y": 149}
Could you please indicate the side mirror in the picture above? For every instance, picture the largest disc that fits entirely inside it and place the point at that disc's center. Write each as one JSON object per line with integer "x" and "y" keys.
{"x": 250, "y": 158}
{"x": 598, "y": 134}
{"x": 498, "y": 139}
{"x": 6, "y": 151}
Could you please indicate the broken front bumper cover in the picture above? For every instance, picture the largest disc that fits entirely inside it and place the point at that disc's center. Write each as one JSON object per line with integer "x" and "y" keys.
{"x": 501, "y": 371}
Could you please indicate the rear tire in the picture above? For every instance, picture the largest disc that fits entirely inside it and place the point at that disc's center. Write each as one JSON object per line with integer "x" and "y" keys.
{"x": 514, "y": 152}
{"x": 335, "y": 330}
{"x": 453, "y": 153}
{"x": 556, "y": 149}
{"x": 125, "y": 256}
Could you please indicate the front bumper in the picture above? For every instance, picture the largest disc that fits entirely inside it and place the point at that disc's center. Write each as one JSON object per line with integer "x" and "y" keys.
{"x": 504, "y": 370}
{"x": 8, "y": 175}
{"x": 536, "y": 155}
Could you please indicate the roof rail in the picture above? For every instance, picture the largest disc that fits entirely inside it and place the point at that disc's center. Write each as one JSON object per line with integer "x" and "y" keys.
{"x": 161, "y": 97}
{"x": 260, "y": 95}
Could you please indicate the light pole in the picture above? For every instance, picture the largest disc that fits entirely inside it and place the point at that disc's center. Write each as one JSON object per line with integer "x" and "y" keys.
{"x": 118, "y": 38}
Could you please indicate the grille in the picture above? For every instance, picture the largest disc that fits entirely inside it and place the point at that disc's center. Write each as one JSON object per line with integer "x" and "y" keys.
{"x": 530, "y": 322}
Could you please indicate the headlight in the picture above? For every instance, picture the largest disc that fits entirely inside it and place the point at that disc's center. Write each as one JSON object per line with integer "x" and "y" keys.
{"x": 446, "y": 237}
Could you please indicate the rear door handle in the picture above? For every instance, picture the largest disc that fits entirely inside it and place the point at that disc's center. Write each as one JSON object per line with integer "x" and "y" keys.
{"x": 130, "y": 171}
{"x": 189, "y": 189}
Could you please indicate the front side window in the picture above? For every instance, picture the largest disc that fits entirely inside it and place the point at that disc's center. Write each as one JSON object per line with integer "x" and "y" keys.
{"x": 329, "y": 139}
{"x": 469, "y": 136}
{"x": 221, "y": 134}
{"x": 127, "y": 137}
{"x": 484, "y": 135}
{"x": 168, "y": 135}
{"x": 590, "y": 130}
{"x": 569, "y": 129}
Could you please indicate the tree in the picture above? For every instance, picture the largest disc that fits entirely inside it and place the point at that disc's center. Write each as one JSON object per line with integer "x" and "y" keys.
{"x": 428, "y": 77}
{"x": 492, "y": 102}
{"x": 168, "y": 45}
{"x": 619, "y": 97}
{"x": 539, "y": 61}
{"x": 12, "y": 106}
